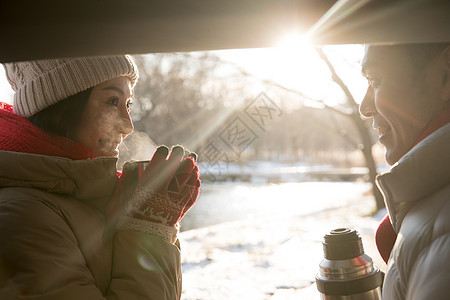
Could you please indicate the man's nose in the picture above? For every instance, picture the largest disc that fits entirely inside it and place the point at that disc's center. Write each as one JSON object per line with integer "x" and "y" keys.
{"x": 367, "y": 106}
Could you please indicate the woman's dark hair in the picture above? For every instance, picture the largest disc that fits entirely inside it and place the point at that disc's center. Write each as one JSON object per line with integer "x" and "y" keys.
{"x": 63, "y": 117}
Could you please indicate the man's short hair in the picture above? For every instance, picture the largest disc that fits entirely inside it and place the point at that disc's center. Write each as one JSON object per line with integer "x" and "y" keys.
{"x": 421, "y": 54}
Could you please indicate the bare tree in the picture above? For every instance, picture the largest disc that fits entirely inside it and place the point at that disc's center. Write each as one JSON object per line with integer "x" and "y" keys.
{"x": 361, "y": 125}
{"x": 364, "y": 143}
{"x": 171, "y": 103}
{"x": 174, "y": 104}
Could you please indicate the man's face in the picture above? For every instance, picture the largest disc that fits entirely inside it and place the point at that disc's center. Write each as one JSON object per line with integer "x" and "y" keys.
{"x": 401, "y": 100}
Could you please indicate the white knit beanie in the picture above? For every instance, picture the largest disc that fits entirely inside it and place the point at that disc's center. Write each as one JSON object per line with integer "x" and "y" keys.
{"x": 42, "y": 83}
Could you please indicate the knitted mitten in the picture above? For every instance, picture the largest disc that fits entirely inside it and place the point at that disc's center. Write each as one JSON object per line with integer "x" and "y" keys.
{"x": 167, "y": 188}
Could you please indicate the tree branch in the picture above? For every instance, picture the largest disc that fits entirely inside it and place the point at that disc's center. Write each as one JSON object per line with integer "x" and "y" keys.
{"x": 336, "y": 78}
{"x": 289, "y": 90}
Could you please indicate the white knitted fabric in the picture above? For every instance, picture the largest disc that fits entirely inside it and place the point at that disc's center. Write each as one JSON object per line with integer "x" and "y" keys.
{"x": 168, "y": 233}
{"x": 42, "y": 83}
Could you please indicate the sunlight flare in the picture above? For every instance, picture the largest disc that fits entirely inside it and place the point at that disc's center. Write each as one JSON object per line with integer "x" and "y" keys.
{"x": 295, "y": 41}
{"x": 339, "y": 11}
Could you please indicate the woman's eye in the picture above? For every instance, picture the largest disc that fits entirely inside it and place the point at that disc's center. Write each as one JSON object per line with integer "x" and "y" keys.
{"x": 113, "y": 101}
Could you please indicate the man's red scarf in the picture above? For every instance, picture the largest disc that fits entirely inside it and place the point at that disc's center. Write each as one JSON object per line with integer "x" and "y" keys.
{"x": 385, "y": 236}
{"x": 20, "y": 135}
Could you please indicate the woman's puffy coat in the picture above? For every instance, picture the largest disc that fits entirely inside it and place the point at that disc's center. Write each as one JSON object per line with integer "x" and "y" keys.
{"x": 417, "y": 195}
{"x": 55, "y": 242}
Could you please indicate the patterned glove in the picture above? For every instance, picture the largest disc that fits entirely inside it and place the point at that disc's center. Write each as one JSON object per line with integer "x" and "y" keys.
{"x": 167, "y": 188}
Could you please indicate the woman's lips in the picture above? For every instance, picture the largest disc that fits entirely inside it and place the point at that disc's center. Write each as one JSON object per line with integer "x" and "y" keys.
{"x": 110, "y": 147}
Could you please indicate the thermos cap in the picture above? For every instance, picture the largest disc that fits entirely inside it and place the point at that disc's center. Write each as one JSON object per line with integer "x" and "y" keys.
{"x": 342, "y": 243}
{"x": 346, "y": 272}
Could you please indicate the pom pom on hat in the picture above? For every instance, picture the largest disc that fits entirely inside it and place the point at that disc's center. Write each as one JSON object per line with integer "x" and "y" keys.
{"x": 42, "y": 83}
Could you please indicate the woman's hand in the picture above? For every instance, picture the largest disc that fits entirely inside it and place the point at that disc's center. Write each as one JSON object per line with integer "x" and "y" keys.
{"x": 159, "y": 191}
{"x": 168, "y": 188}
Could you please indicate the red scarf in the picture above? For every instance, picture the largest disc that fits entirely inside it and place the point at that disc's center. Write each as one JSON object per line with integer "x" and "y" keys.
{"x": 385, "y": 236}
{"x": 20, "y": 135}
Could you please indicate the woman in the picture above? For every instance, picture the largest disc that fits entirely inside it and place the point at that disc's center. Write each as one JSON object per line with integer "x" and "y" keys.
{"x": 71, "y": 228}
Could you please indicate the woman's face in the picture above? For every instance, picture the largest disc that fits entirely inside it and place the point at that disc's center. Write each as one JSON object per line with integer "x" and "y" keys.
{"x": 106, "y": 121}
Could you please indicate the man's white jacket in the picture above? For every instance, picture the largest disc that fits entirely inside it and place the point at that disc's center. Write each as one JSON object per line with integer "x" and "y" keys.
{"x": 417, "y": 196}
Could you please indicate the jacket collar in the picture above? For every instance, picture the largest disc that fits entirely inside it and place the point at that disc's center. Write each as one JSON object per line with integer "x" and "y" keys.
{"x": 92, "y": 180}
{"x": 422, "y": 171}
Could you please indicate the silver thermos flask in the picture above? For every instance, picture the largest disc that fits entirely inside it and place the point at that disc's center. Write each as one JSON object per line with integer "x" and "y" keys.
{"x": 346, "y": 273}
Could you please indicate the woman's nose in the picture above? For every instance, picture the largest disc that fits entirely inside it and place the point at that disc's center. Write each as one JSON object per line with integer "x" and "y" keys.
{"x": 125, "y": 124}
{"x": 367, "y": 106}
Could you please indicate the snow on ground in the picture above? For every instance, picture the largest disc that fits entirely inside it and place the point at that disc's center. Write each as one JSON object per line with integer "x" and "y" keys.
{"x": 269, "y": 257}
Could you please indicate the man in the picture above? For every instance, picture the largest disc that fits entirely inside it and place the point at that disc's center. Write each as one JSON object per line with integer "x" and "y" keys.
{"x": 408, "y": 99}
